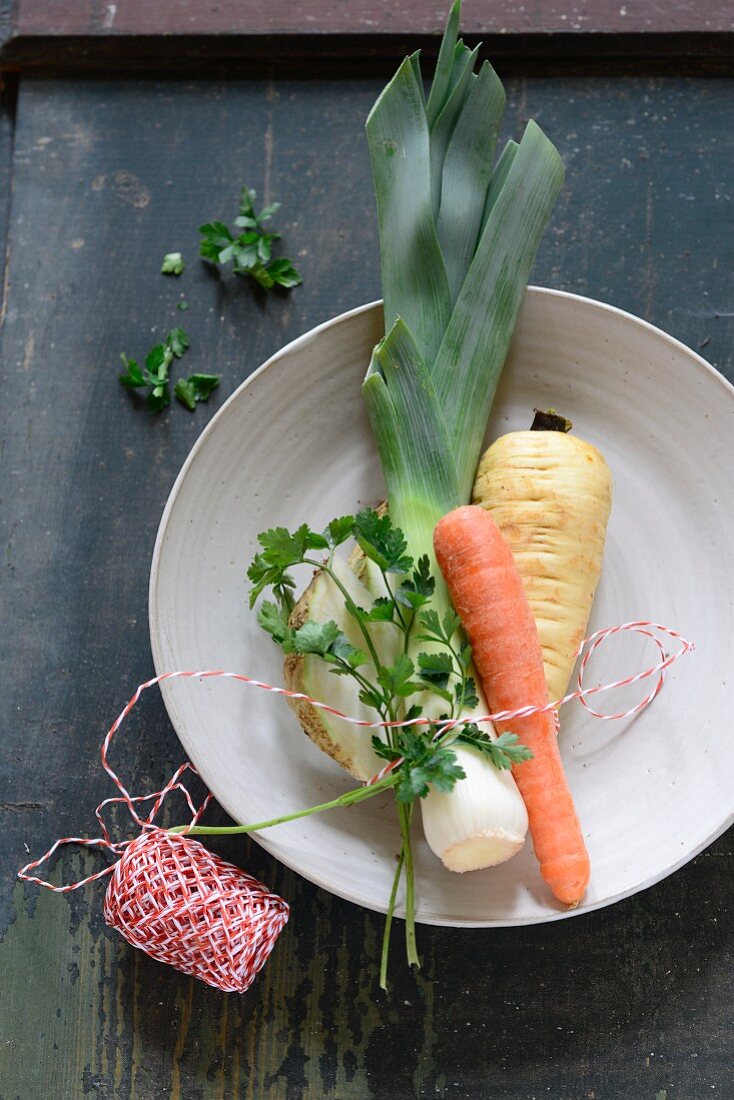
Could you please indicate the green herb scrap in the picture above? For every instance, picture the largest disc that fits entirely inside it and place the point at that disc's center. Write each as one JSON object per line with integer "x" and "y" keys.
{"x": 154, "y": 375}
{"x": 250, "y": 251}
{"x": 172, "y": 264}
{"x": 424, "y": 763}
{"x": 503, "y": 753}
{"x": 195, "y": 388}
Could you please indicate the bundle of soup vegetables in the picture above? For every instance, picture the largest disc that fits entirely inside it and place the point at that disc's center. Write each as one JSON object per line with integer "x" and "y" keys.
{"x": 387, "y": 635}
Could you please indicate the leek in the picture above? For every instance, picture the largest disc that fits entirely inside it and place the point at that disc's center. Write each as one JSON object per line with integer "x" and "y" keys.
{"x": 457, "y": 242}
{"x": 458, "y": 237}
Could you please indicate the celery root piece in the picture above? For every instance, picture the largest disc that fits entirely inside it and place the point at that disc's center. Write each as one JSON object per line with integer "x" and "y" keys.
{"x": 349, "y": 745}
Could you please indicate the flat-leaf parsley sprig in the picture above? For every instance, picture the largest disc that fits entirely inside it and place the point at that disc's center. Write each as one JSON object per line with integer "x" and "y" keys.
{"x": 421, "y": 754}
{"x": 250, "y": 251}
{"x": 408, "y": 587}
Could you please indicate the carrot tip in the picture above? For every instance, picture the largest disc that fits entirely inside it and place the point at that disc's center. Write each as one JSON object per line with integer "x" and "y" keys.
{"x": 570, "y": 894}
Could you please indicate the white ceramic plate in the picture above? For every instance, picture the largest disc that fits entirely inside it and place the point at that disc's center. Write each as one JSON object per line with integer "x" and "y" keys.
{"x": 293, "y": 444}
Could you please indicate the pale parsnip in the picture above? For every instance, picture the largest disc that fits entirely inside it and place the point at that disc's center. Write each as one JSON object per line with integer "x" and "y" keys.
{"x": 550, "y": 494}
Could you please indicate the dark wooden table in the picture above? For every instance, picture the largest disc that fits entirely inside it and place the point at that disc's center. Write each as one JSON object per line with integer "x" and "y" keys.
{"x": 99, "y": 177}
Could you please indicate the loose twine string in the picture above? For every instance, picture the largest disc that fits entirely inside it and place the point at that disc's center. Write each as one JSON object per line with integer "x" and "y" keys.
{"x": 171, "y": 897}
{"x": 654, "y": 631}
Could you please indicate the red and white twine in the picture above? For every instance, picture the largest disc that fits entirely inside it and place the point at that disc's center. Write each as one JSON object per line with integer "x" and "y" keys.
{"x": 588, "y": 646}
{"x": 184, "y": 906}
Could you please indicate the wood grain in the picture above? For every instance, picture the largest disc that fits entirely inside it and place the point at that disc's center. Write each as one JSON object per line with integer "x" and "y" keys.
{"x": 196, "y": 36}
{"x": 7, "y": 118}
{"x": 624, "y": 1004}
{"x": 326, "y": 17}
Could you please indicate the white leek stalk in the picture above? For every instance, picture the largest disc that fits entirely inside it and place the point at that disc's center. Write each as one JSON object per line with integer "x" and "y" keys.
{"x": 481, "y": 822}
{"x": 457, "y": 241}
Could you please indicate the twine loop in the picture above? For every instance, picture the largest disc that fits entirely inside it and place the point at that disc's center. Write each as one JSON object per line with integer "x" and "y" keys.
{"x": 185, "y": 906}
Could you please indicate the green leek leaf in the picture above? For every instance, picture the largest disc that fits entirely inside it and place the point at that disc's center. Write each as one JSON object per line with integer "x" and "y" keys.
{"x": 443, "y": 127}
{"x": 467, "y": 171}
{"x": 426, "y": 469}
{"x": 414, "y": 282}
{"x": 470, "y": 360}
{"x": 499, "y": 176}
{"x": 442, "y": 77}
{"x": 415, "y": 60}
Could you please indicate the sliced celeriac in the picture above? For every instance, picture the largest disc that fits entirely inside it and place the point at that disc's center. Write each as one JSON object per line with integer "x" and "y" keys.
{"x": 349, "y": 745}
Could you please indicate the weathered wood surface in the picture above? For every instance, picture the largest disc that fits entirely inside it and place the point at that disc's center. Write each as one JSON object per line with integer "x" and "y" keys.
{"x": 324, "y": 17}
{"x": 190, "y": 33}
{"x": 631, "y": 1003}
{"x": 7, "y": 115}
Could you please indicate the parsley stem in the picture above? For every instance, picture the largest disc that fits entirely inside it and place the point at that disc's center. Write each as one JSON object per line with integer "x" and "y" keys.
{"x": 388, "y": 920}
{"x": 401, "y": 624}
{"x": 349, "y": 602}
{"x": 357, "y": 794}
{"x": 393, "y": 732}
{"x": 405, "y": 814}
{"x": 458, "y": 706}
{"x": 362, "y": 681}
{"x": 408, "y": 631}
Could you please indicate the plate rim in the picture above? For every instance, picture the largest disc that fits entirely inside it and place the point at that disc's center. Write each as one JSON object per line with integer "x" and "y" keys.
{"x": 166, "y": 690}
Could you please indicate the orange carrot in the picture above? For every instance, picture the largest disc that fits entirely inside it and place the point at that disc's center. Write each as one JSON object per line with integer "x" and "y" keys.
{"x": 487, "y": 592}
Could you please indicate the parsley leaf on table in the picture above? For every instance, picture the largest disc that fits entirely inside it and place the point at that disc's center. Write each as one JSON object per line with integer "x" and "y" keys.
{"x": 250, "y": 252}
{"x": 197, "y": 387}
{"x": 178, "y": 341}
{"x": 154, "y": 375}
{"x": 172, "y": 264}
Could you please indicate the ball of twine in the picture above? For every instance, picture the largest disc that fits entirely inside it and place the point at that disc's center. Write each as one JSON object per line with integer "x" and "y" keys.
{"x": 184, "y": 906}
